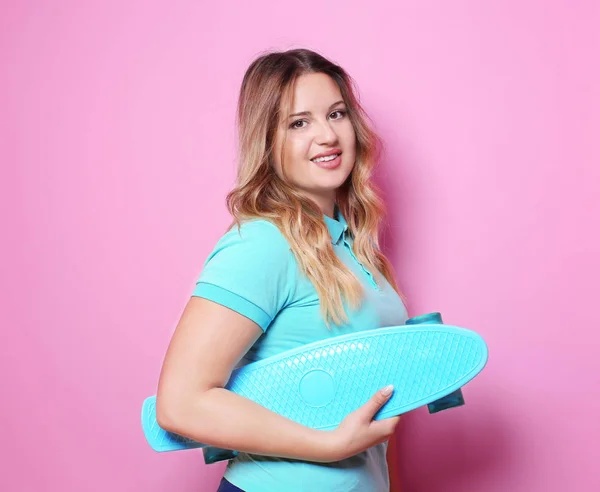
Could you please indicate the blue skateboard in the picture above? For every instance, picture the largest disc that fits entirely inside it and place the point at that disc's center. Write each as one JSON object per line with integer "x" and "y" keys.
{"x": 319, "y": 384}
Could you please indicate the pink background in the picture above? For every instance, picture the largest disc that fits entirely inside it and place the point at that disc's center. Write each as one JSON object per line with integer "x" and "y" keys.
{"x": 117, "y": 149}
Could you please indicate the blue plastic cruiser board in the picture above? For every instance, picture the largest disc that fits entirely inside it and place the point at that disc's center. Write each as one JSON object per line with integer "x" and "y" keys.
{"x": 319, "y": 384}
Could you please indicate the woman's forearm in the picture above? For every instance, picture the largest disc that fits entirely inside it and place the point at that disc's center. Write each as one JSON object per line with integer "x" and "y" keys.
{"x": 221, "y": 418}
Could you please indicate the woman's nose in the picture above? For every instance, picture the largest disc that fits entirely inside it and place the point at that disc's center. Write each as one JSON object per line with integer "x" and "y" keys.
{"x": 326, "y": 134}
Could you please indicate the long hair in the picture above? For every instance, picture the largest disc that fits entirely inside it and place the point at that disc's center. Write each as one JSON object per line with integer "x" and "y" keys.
{"x": 260, "y": 193}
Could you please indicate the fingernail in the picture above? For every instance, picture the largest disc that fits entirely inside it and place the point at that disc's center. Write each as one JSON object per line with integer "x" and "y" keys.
{"x": 387, "y": 391}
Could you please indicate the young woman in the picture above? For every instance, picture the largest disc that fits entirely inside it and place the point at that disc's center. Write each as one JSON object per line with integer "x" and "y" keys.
{"x": 300, "y": 263}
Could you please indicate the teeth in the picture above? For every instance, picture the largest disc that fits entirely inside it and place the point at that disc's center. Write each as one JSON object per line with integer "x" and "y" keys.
{"x": 325, "y": 159}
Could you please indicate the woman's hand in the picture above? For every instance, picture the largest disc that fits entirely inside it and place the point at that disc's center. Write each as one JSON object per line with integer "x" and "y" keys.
{"x": 358, "y": 431}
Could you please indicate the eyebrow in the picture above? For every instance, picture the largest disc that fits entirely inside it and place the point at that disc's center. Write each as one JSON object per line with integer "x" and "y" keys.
{"x": 308, "y": 113}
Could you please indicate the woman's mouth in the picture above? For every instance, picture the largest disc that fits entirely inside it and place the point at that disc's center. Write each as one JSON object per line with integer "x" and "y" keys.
{"x": 329, "y": 162}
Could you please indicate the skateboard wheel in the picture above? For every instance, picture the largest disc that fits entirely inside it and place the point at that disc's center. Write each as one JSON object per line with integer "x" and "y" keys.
{"x": 425, "y": 319}
{"x": 455, "y": 399}
{"x": 213, "y": 455}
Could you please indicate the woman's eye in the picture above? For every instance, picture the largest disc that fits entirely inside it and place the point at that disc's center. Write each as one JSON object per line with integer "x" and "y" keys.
{"x": 295, "y": 126}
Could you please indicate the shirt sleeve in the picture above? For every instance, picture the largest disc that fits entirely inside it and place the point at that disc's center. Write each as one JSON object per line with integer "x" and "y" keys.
{"x": 250, "y": 271}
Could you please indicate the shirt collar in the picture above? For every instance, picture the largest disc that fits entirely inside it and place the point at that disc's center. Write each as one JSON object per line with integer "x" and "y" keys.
{"x": 336, "y": 226}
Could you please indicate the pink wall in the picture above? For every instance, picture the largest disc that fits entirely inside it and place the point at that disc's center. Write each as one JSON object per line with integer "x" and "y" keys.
{"x": 117, "y": 150}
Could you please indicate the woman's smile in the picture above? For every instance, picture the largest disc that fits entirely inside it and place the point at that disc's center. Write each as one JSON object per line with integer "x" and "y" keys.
{"x": 330, "y": 162}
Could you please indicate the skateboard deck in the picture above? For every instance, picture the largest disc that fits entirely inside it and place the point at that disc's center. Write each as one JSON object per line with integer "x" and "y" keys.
{"x": 319, "y": 384}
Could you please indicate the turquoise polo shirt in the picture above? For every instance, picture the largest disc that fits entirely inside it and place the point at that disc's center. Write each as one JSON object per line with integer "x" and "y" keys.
{"x": 254, "y": 272}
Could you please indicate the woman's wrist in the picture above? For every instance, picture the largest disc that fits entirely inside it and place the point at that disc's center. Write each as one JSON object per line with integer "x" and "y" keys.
{"x": 328, "y": 446}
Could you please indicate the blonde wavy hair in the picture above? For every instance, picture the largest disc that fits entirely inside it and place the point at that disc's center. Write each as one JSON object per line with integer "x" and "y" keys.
{"x": 260, "y": 193}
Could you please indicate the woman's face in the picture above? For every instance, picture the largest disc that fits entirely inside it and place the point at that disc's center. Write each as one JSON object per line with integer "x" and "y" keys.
{"x": 323, "y": 127}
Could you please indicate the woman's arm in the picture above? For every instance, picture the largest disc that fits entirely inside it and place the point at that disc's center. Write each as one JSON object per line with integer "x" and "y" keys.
{"x": 191, "y": 400}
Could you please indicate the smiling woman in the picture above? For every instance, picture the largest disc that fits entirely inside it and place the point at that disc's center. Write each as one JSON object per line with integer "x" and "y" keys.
{"x": 302, "y": 265}
{"x": 275, "y": 155}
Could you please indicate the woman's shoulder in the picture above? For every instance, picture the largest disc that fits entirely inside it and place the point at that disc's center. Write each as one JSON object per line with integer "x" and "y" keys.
{"x": 256, "y": 230}
{"x": 257, "y": 236}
